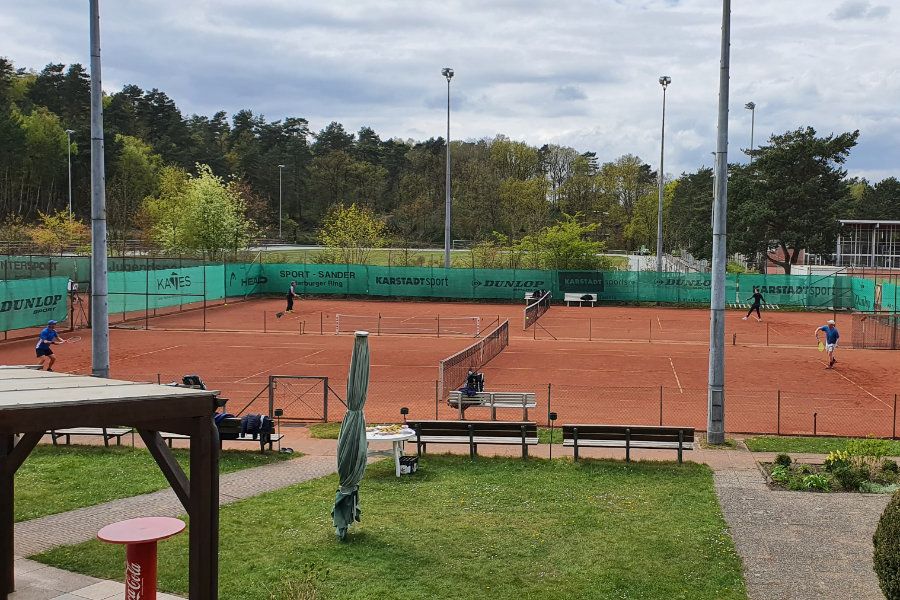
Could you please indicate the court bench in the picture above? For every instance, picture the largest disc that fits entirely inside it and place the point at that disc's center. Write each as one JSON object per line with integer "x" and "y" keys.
{"x": 107, "y": 433}
{"x": 647, "y": 437}
{"x": 512, "y": 433}
{"x": 580, "y": 298}
{"x": 230, "y": 430}
{"x": 494, "y": 400}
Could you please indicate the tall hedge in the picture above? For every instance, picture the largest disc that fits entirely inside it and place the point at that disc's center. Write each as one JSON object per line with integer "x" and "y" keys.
{"x": 886, "y": 558}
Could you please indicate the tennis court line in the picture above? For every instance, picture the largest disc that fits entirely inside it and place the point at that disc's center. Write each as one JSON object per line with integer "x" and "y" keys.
{"x": 680, "y": 389}
{"x": 659, "y": 322}
{"x": 276, "y": 366}
{"x": 863, "y": 389}
{"x": 153, "y": 352}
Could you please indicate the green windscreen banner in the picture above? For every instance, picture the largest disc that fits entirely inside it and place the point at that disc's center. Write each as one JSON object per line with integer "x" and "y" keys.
{"x": 32, "y": 302}
{"x": 887, "y": 296}
{"x": 131, "y": 291}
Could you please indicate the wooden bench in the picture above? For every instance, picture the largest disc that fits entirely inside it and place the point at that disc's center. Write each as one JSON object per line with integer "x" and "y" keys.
{"x": 230, "y": 430}
{"x": 494, "y": 400}
{"x": 107, "y": 433}
{"x": 579, "y": 298}
{"x": 628, "y": 437}
{"x": 515, "y": 433}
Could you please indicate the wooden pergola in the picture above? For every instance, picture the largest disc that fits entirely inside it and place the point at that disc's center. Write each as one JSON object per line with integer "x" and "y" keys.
{"x": 32, "y": 402}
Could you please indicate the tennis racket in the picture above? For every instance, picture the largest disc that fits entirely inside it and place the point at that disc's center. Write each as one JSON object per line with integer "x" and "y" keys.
{"x": 821, "y": 346}
{"x": 74, "y": 339}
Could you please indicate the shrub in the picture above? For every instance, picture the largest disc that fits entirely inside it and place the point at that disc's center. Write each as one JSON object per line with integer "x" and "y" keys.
{"x": 804, "y": 469}
{"x": 837, "y": 460}
{"x": 886, "y": 557}
{"x": 850, "y": 477}
{"x": 783, "y": 459}
{"x": 817, "y": 481}
{"x": 868, "y": 452}
{"x": 872, "y": 487}
{"x": 779, "y": 474}
{"x": 795, "y": 484}
{"x": 888, "y": 466}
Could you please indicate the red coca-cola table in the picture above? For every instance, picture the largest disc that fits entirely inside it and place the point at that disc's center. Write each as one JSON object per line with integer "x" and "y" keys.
{"x": 140, "y": 537}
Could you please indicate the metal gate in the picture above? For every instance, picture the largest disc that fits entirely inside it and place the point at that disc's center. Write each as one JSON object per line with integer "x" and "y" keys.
{"x": 300, "y": 398}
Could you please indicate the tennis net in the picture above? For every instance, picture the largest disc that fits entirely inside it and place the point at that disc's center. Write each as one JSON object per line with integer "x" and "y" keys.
{"x": 453, "y": 370}
{"x": 876, "y": 331}
{"x": 425, "y": 325}
{"x": 534, "y": 311}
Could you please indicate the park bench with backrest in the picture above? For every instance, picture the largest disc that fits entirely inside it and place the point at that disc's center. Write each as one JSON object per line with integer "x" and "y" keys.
{"x": 580, "y": 298}
{"x": 230, "y": 430}
{"x": 629, "y": 437}
{"x": 494, "y": 400}
{"x": 473, "y": 433}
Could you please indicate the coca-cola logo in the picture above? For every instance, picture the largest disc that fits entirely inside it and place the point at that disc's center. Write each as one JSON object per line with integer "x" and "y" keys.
{"x": 134, "y": 583}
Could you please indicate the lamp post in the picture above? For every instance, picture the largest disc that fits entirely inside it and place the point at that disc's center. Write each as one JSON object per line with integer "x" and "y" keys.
{"x": 751, "y": 106}
{"x": 664, "y": 81}
{"x": 448, "y": 73}
{"x": 69, "y": 133}
{"x": 280, "y": 170}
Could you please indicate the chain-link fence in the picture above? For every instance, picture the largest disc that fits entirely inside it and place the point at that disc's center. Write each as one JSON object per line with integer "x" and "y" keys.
{"x": 764, "y": 412}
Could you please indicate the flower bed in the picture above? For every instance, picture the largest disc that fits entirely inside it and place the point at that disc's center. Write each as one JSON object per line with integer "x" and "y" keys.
{"x": 862, "y": 467}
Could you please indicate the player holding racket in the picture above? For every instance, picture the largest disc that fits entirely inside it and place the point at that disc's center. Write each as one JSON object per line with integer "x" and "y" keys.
{"x": 290, "y": 298}
{"x": 757, "y": 300}
{"x": 831, "y": 338}
{"x": 48, "y": 337}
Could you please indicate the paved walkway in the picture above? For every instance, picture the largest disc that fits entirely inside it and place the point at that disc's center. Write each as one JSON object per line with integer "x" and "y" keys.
{"x": 795, "y": 545}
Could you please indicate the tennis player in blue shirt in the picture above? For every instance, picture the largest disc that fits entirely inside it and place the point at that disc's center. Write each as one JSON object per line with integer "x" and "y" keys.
{"x": 48, "y": 337}
{"x": 831, "y": 338}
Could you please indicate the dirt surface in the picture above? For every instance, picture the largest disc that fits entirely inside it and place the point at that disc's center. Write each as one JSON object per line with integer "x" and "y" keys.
{"x": 596, "y": 364}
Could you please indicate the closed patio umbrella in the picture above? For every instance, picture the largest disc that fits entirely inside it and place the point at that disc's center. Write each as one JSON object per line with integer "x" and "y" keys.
{"x": 352, "y": 444}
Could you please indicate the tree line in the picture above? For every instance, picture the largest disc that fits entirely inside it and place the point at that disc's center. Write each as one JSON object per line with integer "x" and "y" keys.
{"x": 167, "y": 173}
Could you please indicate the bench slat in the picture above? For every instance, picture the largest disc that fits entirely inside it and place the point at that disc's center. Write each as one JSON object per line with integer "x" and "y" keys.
{"x": 474, "y": 433}
{"x": 109, "y": 433}
{"x": 621, "y": 444}
{"x": 478, "y": 439}
{"x": 647, "y": 437}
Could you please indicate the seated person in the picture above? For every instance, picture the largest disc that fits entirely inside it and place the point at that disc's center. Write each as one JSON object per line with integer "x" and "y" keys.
{"x": 474, "y": 383}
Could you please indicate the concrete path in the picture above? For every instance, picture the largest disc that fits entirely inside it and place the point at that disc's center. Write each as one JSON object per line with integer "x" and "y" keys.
{"x": 795, "y": 545}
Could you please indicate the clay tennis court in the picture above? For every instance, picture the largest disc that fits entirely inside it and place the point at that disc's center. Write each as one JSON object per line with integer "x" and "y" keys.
{"x": 594, "y": 364}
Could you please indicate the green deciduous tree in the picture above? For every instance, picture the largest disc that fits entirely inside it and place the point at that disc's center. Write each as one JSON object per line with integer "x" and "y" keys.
{"x": 690, "y": 214}
{"x": 349, "y": 233}
{"x": 565, "y": 245}
{"x": 135, "y": 175}
{"x": 199, "y": 213}
{"x": 57, "y": 232}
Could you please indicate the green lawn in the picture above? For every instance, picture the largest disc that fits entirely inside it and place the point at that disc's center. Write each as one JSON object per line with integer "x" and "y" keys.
{"x": 468, "y": 529}
{"x": 330, "y": 431}
{"x": 52, "y": 477}
{"x": 808, "y": 445}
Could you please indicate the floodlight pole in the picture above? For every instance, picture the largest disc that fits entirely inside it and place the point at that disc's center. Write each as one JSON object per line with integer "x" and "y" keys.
{"x": 448, "y": 73}
{"x": 69, "y": 133}
{"x": 280, "y": 170}
{"x": 99, "y": 283}
{"x": 751, "y": 106}
{"x": 664, "y": 81}
{"x": 715, "y": 427}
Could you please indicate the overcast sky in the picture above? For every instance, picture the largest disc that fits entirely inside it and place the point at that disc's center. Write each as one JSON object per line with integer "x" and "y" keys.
{"x": 579, "y": 73}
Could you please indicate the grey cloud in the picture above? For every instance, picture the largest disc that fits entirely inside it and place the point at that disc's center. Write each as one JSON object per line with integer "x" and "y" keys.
{"x": 568, "y": 93}
{"x": 859, "y": 9}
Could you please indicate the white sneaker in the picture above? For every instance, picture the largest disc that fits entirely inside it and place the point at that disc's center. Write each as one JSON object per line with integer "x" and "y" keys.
{"x": 744, "y": 319}
{"x": 759, "y": 320}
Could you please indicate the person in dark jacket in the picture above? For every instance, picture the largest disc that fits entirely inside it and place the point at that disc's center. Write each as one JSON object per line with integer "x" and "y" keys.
{"x": 757, "y": 300}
